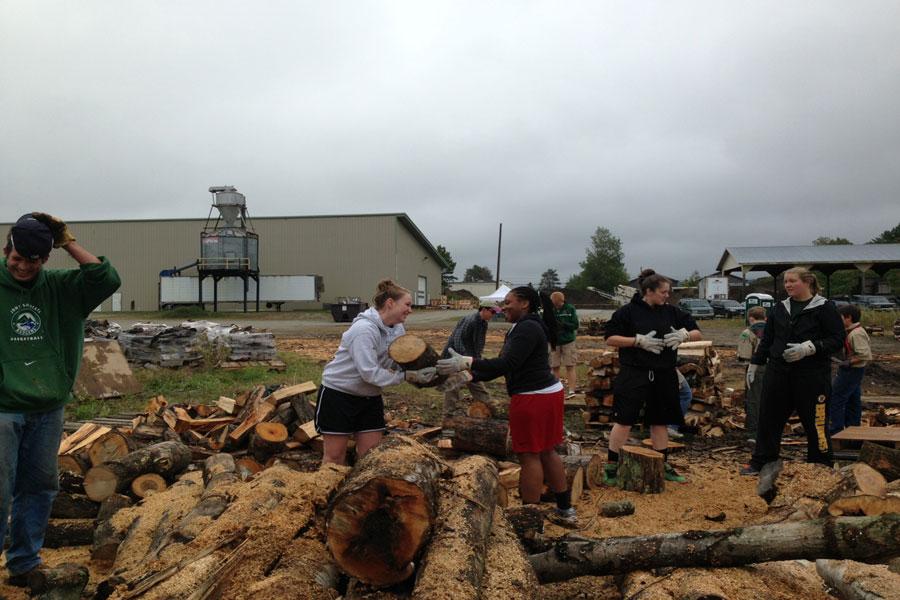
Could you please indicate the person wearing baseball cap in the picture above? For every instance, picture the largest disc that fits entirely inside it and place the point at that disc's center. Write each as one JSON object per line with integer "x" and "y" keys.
{"x": 468, "y": 339}
{"x": 41, "y": 339}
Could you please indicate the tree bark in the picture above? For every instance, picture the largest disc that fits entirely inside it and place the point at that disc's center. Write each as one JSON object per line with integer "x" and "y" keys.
{"x": 621, "y": 508}
{"x": 166, "y": 459}
{"x": 527, "y": 523}
{"x": 61, "y": 533}
{"x": 855, "y": 581}
{"x": 73, "y": 506}
{"x": 641, "y": 470}
{"x": 883, "y": 459}
{"x": 453, "y": 564}
{"x": 413, "y": 353}
{"x": 858, "y": 538}
{"x": 508, "y": 574}
{"x": 479, "y": 436}
{"x": 112, "y": 445}
{"x": 268, "y": 438}
{"x": 146, "y": 484}
{"x": 382, "y": 515}
{"x": 575, "y": 474}
{"x": 593, "y": 472}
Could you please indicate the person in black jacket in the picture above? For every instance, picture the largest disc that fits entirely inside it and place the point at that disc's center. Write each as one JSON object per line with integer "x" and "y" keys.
{"x": 801, "y": 334}
{"x": 647, "y": 331}
{"x": 536, "y": 396}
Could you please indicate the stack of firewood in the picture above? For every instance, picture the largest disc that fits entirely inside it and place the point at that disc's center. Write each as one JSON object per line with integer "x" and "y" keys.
{"x": 599, "y": 399}
{"x": 700, "y": 364}
{"x": 592, "y": 326}
{"x": 193, "y": 341}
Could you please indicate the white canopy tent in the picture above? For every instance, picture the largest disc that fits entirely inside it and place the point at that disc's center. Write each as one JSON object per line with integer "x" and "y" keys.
{"x": 497, "y": 296}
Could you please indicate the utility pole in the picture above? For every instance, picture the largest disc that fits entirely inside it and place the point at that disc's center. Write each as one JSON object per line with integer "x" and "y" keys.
{"x": 499, "y": 243}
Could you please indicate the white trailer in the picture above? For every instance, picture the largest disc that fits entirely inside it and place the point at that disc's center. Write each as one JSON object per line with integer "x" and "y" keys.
{"x": 273, "y": 289}
{"x": 713, "y": 287}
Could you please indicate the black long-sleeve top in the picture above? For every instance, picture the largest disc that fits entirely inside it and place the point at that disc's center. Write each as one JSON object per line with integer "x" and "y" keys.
{"x": 524, "y": 358}
{"x": 638, "y": 317}
{"x": 819, "y": 323}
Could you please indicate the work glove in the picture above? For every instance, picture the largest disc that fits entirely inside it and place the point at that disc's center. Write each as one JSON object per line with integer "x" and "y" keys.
{"x": 839, "y": 362}
{"x": 751, "y": 374}
{"x": 676, "y": 337}
{"x": 649, "y": 342}
{"x": 455, "y": 381}
{"x": 456, "y": 362}
{"x": 421, "y": 377}
{"x": 58, "y": 228}
{"x": 798, "y": 351}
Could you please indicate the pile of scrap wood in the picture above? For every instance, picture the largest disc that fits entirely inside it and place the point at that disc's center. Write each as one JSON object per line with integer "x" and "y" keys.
{"x": 192, "y": 341}
{"x": 700, "y": 364}
{"x": 592, "y": 326}
{"x": 599, "y": 399}
{"x": 402, "y": 523}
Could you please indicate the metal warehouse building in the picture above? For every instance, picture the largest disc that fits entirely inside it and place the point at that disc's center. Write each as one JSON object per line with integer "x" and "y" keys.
{"x": 350, "y": 252}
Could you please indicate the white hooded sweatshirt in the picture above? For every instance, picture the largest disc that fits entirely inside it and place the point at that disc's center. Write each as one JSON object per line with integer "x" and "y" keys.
{"x": 361, "y": 365}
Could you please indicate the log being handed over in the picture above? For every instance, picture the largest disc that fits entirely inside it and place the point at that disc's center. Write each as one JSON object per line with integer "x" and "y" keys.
{"x": 413, "y": 353}
{"x": 857, "y": 538}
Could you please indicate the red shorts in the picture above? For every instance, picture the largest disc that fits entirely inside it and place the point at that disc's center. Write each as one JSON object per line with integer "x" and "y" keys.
{"x": 536, "y": 421}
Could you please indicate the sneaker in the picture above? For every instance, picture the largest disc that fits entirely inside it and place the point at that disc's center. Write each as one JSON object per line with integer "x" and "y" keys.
{"x": 21, "y": 580}
{"x": 672, "y": 475}
{"x": 675, "y": 434}
{"x": 564, "y": 517}
{"x": 749, "y": 469}
{"x": 611, "y": 474}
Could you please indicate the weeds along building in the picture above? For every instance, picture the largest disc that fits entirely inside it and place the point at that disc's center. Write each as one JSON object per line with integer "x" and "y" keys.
{"x": 351, "y": 253}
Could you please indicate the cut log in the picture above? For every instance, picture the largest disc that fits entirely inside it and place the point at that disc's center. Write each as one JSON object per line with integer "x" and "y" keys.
{"x": 479, "y": 410}
{"x": 641, "y": 470}
{"x": 575, "y": 466}
{"x": 112, "y": 445}
{"x": 413, "y": 353}
{"x": 857, "y": 538}
{"x": 111, "y": 505}
{"x": 453, "y": 564}
{"x": 593, "y": 472}
{"x": 864, "y": 505}
{"x": 479, "y": 436}
{"x": 866, "y": 479}
{"x": 73, "y": 506}
{"x": 247, "y": 467}
{"x": 528, "y": 524}
{"x": 621, "y": 508}
{"x": 165, "y": 458}
{"x": 304, "y": 407}
{"x": 63, "y": 582}
{"x": 508, "y": 574}
{"x": 61, "y": 533}
{"x": 73, "y": 463}
{"x": 146, "y": 484}
{"x": 268, "y": 439}
{"x": 382, "y": 514}
{"x": 288, "y": 392}
{"x": 883, "y": 459}
{"x": 855, "y": 581}
{"x": 226, "y": 404}
{"x": 71, "y": 483}
{"x": 257, "y": 415}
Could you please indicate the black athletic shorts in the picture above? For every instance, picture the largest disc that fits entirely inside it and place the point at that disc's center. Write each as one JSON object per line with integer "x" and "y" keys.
{"x": 345, "y": 414}
{"x": 653, "y": 391}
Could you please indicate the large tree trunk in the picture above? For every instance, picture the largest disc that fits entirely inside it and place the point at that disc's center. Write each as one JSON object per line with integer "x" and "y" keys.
{"x": 858, "y": 538}
{"x": 883, "y": 459}
{"x": 166, "y": 459}
{"x": 508, "y": 574}
{"x": 479, "y": 436}
{"x": 382, "y": 515}
{"x": 453, "y": 564}
{"x": 641, "y": 470}
{"x": 527, "y": 523}
{"x": 219, "y": 473}
{"x": 855, "y": 581}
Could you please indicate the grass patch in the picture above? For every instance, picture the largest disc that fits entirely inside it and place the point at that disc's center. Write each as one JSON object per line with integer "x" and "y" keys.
{"x": 200, "y": 385}
{"x": 882, "y": 318}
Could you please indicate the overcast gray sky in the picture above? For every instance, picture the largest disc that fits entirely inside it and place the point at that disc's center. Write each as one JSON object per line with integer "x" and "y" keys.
{"x": 683, "y": 127}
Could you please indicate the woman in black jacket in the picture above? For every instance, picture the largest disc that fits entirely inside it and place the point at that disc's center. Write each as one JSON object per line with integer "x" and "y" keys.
{"x": 801, "y": 334}
{"x": 536, "y": 396}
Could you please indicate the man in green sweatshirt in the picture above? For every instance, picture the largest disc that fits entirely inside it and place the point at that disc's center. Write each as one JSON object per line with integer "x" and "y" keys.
{"x": 42, "y": 313}
{"x": 564, "y": 355}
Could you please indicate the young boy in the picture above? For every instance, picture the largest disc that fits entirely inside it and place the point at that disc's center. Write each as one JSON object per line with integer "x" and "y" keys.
{"x": 846, "y": 389}
{"x": 747, "y": 344}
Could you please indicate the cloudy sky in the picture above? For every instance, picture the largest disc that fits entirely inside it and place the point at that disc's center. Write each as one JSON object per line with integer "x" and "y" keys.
{"x": 683, "y": 127}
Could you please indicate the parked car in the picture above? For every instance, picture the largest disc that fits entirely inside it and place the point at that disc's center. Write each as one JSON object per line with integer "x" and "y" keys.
{"x": 874, "y": 302}
{"x": 697, "y": 308}
{"x": 727, "y": 308}
{"x": 840, "y": 300}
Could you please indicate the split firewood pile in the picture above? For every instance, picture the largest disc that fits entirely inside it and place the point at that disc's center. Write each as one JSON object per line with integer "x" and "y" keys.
{"x": 190, "y": 343}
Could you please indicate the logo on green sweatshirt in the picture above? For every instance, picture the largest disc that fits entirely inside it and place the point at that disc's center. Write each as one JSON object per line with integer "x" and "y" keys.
{"x": 26, "y": 320}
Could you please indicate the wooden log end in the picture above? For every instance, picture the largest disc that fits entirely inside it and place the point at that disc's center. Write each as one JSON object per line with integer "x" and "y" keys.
{"x": 147, "y": 484}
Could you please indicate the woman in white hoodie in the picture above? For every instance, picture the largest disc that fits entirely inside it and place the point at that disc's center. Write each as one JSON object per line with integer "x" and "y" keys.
{"x": 349, "y": 402}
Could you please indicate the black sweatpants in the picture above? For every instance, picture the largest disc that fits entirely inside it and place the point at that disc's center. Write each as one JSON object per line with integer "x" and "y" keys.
{"x": 786, "y": 390}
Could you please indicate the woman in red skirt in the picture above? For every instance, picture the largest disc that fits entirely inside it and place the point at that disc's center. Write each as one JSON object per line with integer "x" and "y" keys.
{"x": 536, "y": 396}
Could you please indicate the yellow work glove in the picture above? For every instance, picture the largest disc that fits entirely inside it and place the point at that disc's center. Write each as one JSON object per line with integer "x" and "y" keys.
{"x": 58, "y": 228}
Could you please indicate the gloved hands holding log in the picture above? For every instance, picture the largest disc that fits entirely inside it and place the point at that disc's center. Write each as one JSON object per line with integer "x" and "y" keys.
{"x": 456, "y": 362}
{"x": 649, "y": 342}
{"x": 421, "y": 377}
{"x": 58, "y": 227}
{"x": 795, "y": 352}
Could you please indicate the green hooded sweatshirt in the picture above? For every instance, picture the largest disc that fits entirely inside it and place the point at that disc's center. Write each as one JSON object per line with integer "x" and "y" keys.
{"x": 42, "y": 333}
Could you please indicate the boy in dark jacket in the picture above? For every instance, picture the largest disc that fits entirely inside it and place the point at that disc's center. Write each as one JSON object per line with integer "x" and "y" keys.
{"x": 41, "y": 338}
